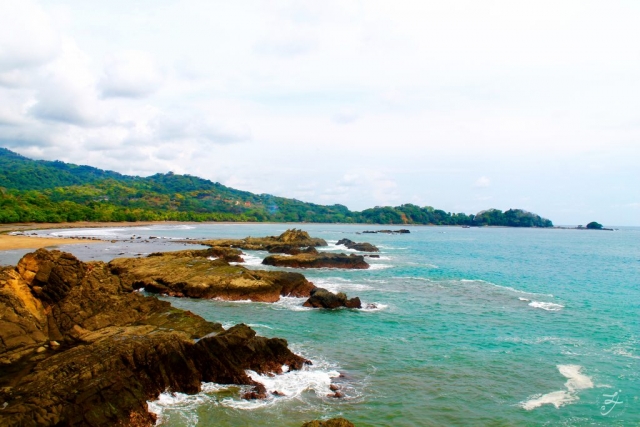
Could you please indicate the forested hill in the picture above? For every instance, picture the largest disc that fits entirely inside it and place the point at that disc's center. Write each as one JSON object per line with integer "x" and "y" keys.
{"x": 45, "y": 191}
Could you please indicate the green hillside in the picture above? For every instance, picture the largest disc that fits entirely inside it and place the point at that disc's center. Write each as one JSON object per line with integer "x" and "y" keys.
{"x": 45, "y": 191}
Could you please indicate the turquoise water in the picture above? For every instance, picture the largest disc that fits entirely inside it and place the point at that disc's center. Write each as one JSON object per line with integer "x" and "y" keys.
{"x": 471, "y": 327}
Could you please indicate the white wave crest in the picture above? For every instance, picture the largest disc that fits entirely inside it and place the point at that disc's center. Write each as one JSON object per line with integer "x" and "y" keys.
{"x": 373, "y": 306}
{"x": 289, "y": 385}
{"x": 549, "y": 306}
{"x": 290, "y": 303}
{"x": 249, "y": 259}
{"x": 576, "y": 381}
{"x": 379, "y": 266}
{"x": 184, "y": 405}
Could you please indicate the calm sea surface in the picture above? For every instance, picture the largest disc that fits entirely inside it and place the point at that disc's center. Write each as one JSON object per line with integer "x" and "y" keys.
{"x": 465, "y": 327}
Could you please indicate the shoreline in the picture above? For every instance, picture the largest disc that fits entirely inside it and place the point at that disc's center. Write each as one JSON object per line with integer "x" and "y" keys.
{"x": 8, "y": 243}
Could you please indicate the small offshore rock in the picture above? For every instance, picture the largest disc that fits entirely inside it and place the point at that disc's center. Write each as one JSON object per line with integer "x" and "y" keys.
{"x": 333, "y": 422}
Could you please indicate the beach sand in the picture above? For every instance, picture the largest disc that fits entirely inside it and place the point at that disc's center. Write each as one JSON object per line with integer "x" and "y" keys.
{"x": 8, "y": 242}
{"x": 25, "y": 242}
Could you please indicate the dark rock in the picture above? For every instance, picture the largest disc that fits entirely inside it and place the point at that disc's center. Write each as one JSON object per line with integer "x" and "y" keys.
{"x": 362, "y": 247}
{"x": 117, "y": 349}
{"x": 289, "y": 239}
{"x": 192, "y": 274}
{"x": 401, "y": 231}
{"x": 333, "y": 422}
{"x": 318, "y": 260}
{"x": 322, "y": 298}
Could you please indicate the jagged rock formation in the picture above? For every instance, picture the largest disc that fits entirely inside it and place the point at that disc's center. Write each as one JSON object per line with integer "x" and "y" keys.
{"x": 79, "y": 348}
{"x": 319, "y": 260}
{"x": 362, "y": 247}
{"x": 192, "y": 274}
{"x": 290, "y": 238}
{"x": 322, "y": 298}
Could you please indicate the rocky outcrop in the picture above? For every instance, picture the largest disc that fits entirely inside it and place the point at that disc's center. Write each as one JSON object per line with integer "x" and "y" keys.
{"x": 362, "y": 247}
{"x": 193, "y": 274}
{"x": 320, "y": 260}
{"x": 333, "y": 422}
{"x": 401, "y": 231}
{"x": 292, "y": 250}
{"x": 292, "y": 238}
{"x": 322, "y": 298}
{"x": 79, "y": 348}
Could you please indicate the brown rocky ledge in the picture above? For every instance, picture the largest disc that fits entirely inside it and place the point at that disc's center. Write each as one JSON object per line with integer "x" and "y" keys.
{"x": 79, "y": 348}
{"x": 322, "y": 298}
{"x": 289, "y": 239}
{"x": 194, "y": 274}
{"x": 317, "y": 260}
{"x": 333, "y": 422}
{"x": 362, "y": 247}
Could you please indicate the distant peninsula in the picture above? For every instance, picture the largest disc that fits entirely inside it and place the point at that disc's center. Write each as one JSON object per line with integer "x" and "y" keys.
{"x": 54, "y": 192}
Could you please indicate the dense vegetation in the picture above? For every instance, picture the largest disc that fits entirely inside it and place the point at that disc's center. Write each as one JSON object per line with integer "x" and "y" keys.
{"x": 42, "y": 191}
{"x": 594, "y": 226}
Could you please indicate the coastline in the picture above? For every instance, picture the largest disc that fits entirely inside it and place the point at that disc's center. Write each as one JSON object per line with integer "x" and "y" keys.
{"x": 8, "y": 243}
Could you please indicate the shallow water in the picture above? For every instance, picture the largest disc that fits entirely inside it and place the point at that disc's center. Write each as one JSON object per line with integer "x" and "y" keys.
{"x": 471, "y": 327}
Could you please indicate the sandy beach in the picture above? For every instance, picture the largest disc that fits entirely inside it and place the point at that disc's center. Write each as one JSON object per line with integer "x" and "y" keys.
{"x": 27, "y": 242}
{"x": 9, "y": 242}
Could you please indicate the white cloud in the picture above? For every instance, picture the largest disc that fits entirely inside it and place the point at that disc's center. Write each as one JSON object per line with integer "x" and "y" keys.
{"x": 482, "y": 182}
{"x": 130, "y": 74}
{"x": 27, "y": 38}
{"x": 345, "y": 117}
{"x": 372, "y": 102}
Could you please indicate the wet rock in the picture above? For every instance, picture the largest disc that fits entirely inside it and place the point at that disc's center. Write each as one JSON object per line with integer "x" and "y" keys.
{"x": 192, "y": 274}
{"x": 318, "y": 260}
{"x": 362, "y": 247}
{"x": 333, "y": 422}
{"x": 322, "y": 298}
{"x": 292, "y": 238}
{"x": 118, "y": 349}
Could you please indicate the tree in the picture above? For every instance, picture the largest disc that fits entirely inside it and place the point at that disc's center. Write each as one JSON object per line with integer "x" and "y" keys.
{"x": 594, "y": 226}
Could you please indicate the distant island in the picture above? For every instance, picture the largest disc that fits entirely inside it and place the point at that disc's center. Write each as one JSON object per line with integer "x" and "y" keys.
{"x": 54, "y": 191}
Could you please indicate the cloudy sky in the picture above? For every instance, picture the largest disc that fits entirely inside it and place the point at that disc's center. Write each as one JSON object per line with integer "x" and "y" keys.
{"x": 460, "y": 105}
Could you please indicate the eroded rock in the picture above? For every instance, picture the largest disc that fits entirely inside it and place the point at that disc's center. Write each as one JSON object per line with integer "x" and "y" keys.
{"x": 362, "y": 247}
{"x": 193, "y": 274}
{"x": 322, "y": 298}
{"x": 317, "y": 260}
{"x": 116, "y": 348}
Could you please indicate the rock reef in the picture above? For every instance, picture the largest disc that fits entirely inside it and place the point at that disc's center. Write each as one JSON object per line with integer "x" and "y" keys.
{"x": 362, "y": 247}
{"x": 79, "y": 348}
{"x": 322, "y": 298}
{"x": 317, "y": 260}
{"x": 333, "y": 422}
{"x": 194, "y": 274}
{"x": 291, "y": 238}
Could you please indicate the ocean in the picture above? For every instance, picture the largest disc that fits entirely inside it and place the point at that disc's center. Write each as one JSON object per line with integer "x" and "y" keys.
{"x": 461, "y": 327}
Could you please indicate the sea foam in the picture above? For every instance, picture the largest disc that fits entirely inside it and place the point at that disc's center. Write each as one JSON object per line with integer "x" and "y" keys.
{"x": 549, "y": 306}
{"x": 576, "y": 381}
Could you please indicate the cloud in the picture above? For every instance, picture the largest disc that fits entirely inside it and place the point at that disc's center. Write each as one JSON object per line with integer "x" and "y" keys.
{"x": 286, "y": 48}
{"x": 345, "y": 117}
{"x": 482, "y": 182}
{"x": 176, "y": 126}
{"x": 66, "y": 89}
{"x": 27, "y": 38}
{"x": 130, "y": 74}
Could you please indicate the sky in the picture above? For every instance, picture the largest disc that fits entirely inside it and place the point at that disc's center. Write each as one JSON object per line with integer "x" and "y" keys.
{"x": 459, "y": 105}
